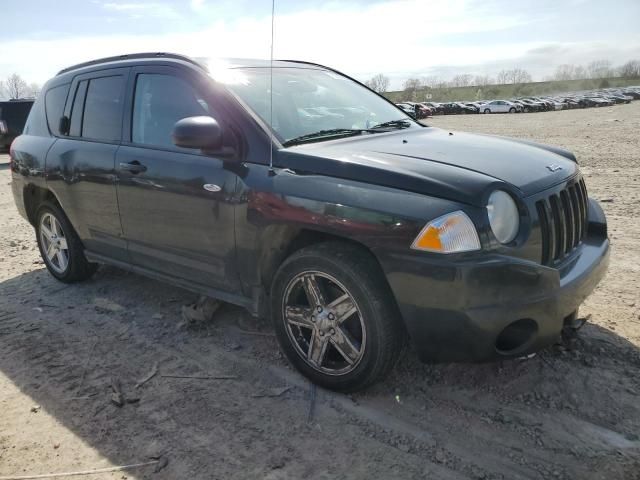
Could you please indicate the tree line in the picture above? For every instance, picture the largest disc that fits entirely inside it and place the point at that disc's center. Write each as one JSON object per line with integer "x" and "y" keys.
{"x": 14, "y": 87}
{"x": 594, "y": 70}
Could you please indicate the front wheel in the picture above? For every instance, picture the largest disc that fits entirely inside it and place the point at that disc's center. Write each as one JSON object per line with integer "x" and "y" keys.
{"x": 335, "y": 317}
{"x": 60, "y": 246}
{"x": 512, "y": 110}
{"x": 486, "y": 110}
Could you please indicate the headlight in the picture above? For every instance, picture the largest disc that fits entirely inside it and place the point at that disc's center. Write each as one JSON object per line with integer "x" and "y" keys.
{"x": 454, "y": 232}
{"x": 503, "y": 216}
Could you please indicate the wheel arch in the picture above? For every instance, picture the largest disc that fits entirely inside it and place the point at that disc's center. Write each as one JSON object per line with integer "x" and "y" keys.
{"x": 297, "y": 239}
{"x": 33, "y": 197}
{"x": 285, "y": 242}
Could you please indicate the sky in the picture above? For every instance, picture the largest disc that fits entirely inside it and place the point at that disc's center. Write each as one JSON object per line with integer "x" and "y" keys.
{"x": 399, "y": 38}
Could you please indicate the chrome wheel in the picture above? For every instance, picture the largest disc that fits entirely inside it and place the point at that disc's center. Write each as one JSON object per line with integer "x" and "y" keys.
{"x": 54, "y": 243}
{"x": 324, "y": 323}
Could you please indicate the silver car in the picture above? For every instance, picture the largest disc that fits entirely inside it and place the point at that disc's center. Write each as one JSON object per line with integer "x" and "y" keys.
{"x": 500, "y": 106}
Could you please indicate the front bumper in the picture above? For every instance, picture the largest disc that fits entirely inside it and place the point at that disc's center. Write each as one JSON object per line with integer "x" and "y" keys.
{"x": 457, "y": 310}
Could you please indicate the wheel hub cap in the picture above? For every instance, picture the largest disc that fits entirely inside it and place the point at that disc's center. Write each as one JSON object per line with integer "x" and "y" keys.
{"x": 54, "y": 243}
{"x": 324, "y": 323}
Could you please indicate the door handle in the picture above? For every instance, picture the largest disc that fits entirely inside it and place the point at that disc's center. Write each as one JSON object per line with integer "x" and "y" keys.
{"x": 133, "y": 167}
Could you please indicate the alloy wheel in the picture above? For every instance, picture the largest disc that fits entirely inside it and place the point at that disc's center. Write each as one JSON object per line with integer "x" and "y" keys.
{"x": 324, "y": 323}
{"x": 54, "y": 243}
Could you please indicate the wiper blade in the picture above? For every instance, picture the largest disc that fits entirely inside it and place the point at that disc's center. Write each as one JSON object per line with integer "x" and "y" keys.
{"x": 393, "y": 123}
{"x": 334, "y": 132}
{"x": 346, "y": 132}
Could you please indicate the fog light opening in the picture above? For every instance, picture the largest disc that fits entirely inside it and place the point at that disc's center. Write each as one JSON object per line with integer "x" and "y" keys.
{"x": 516, "y": 336}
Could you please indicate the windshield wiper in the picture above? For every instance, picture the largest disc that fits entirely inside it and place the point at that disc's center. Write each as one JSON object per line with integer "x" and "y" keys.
{"x": 334, "y": 132}
{"x": 346, "y": 132}
{"x": 392, "y": 123}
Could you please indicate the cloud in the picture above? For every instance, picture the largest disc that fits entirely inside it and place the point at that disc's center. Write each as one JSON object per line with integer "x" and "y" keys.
{"x": 197, "y": 5}
{"x": 142, "y": 9}
{"x": 400, "y": 38}
{"x": 123, "y": 7}
{"x": 550, "y": 49}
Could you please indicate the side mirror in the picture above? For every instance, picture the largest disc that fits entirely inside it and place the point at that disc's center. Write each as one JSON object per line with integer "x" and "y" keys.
{"x": 203, "y": 133}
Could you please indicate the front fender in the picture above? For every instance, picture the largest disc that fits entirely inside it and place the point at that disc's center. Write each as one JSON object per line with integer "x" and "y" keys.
{"x": 273, "y": 209}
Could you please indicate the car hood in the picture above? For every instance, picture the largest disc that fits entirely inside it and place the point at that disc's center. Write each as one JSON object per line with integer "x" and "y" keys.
{"x": 455, "y": 165}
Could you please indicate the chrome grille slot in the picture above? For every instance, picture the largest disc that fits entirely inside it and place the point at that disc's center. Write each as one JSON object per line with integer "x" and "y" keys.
{"x": 563, "y": 221}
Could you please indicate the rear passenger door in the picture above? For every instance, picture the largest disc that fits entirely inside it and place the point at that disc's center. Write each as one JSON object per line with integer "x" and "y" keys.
{"x": 81, "y": 163}
{"x": 176, "y": 204}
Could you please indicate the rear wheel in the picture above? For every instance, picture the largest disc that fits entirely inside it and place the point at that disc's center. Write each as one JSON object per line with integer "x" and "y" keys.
{"x": 335, "y": 317}
{"x": 60, "y": 247}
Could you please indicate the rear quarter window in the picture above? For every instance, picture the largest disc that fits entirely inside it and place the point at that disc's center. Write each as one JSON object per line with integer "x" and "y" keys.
{"x": 55, "y": 99}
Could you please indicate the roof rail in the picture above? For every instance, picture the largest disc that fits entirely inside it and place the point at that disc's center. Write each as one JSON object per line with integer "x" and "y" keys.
{"x": 307, "y": 63}
{"x": 130, "y": 56}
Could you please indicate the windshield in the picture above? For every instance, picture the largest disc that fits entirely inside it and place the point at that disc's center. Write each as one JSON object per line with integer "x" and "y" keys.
{"x": 309, "y": 101}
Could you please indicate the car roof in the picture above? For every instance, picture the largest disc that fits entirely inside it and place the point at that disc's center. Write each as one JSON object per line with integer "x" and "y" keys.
{"x": 197, "y": 62}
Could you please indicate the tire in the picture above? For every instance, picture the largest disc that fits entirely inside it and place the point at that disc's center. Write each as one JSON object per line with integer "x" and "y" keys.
{"x": 76, "y": 267}
{"x": 512, "y": 110}
{"x": 526, "y": 110}
{"x": 372, "y": 330}
{"x": 486, "y": 110}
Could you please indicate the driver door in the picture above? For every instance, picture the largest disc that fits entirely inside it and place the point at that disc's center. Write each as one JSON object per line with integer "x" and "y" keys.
{"x": 175, "y": 204}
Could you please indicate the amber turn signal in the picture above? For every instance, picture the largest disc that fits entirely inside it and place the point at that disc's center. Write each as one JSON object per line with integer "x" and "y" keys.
{"x": 450, "y": 233}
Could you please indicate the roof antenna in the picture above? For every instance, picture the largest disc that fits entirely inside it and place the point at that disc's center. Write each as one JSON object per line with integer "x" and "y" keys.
{"x": 271, "y": 171}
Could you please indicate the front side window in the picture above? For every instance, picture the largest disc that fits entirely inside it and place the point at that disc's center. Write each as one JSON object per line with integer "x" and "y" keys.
{"x": 102, "y": 119}
{"x": 159, "y": 102}
{"x": 310, "y": 100}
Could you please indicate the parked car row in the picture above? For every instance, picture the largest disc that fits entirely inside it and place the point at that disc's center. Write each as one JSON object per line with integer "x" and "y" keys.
{"x": 566, "y": 101}
{"x": 416, "y": 110}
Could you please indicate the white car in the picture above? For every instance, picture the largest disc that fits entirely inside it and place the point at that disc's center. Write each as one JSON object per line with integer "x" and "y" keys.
{"x": 499, "y": 106}
{"x": 408, "y": 108}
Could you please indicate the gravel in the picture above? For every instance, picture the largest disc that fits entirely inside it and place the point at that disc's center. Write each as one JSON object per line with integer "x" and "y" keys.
{"x": 572, "y": 411}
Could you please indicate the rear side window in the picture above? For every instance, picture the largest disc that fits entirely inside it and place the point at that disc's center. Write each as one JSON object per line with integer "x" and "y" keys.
{"x": 54, "y": 106}
{"x": 75, "y": 128}
{"x": 102, "y": 119}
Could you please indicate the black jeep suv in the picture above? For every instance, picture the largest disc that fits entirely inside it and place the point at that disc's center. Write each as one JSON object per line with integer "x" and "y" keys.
{"x": 13, "y": 115}
{"x": 299, "y": 194}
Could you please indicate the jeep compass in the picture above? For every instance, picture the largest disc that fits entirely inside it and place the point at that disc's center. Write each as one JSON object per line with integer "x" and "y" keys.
{"x": 296, "y": 192}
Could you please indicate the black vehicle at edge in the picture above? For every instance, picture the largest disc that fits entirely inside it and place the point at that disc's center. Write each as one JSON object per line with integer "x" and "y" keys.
{"x": 456, "y": 108}
{"x": 351, "y": 241}
{"x": 13, "y": 115}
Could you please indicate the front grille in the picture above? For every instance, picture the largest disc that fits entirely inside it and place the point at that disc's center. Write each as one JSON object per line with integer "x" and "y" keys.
{"x": 563, "y": 221}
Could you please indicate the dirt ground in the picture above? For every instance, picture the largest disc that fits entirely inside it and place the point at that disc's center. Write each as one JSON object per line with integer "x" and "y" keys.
{"x": 570, "y": 412}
